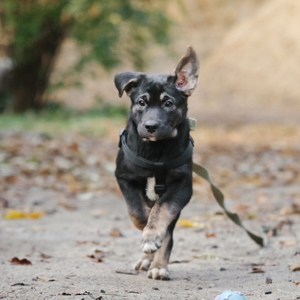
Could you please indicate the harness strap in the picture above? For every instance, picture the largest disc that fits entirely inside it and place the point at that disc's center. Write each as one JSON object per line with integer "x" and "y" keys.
{"x": 158, "y": 168}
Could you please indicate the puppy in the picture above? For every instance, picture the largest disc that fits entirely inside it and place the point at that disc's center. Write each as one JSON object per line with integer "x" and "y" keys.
{"x": 157, "y": 133}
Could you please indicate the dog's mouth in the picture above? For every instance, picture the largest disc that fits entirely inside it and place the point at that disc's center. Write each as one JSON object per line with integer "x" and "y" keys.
{"x": 153, "y": 137}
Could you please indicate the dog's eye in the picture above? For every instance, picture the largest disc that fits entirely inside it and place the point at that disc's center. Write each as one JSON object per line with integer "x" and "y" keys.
{"x": 141, "y": 102}
{"x": 168, "y": 103}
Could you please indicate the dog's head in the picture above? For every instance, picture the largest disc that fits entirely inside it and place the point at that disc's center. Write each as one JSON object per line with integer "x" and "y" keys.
{"x": 159, "y": 102}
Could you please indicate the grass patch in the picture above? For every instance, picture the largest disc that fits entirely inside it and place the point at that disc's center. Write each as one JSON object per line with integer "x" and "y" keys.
{"x": 55, "y": 120}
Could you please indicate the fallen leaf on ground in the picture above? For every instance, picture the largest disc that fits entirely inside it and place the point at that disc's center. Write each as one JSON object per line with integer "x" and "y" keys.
{"x": 3, "y": 203}
{"x": 288, "y": 243}
{"x": 184, "y": 261}
{"x": 68, "y": 206}
{"x": 210, "y": 235}
{"x": 17, "y": 261}
{"x": 296, "y": 282}
{"x": 251, "y": 215}
{"x": 127, "y": 272}
{"x": 12, "y": 214}
{"x": 11, "y": 179}
{"x": 240, "y": 207}
{"x": 99, "y": 212}
{"x": 45, "y": 279}
{"x": 95, "y": 258}
{"x": 296, "y": 208}
{"x": 115, "y": 232}
{"x": 188, "y": 223}
{"x": 256, "y": 269}
{"x": 209, "y": 256}
{"x": 42, "y": 255}
{"x": 269, "y": 280}
{"x": 86, "y": 242}
{"x": 74, "y": 293}
{"x": 295, "y": 267}
{"x": 132, "y": 291}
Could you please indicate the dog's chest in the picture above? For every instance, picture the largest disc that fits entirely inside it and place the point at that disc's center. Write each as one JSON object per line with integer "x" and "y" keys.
{"x": 150, "y": 193}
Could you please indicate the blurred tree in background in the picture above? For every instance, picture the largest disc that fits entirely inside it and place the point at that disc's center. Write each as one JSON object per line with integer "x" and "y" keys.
{"x": 108, "y": 32}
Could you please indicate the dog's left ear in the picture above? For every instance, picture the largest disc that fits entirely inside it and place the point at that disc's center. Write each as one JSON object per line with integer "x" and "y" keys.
{"x": 127, "y": 82}
{"x": 186, "y": 72}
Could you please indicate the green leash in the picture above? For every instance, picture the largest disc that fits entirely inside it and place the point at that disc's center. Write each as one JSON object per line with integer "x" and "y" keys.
{"x": 202, "y": 172}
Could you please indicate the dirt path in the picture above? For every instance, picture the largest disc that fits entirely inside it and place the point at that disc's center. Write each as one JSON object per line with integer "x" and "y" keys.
{"x": 71, "y": 179}
{"x": 69, "y": 236}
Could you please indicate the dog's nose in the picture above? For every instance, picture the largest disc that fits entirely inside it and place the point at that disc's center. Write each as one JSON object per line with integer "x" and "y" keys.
{"x": 151, "y": 126}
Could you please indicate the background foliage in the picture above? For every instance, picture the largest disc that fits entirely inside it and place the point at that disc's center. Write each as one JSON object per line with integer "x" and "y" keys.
{"x": 108, "y": 32}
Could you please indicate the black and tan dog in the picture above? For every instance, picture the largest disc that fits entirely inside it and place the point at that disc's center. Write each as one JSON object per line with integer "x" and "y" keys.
{"x": 157, "y": 130}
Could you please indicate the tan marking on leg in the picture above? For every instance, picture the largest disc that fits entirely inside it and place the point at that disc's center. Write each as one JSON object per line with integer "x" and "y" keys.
{"x": 137, "y": 222}
{"x": 155, "y": 231}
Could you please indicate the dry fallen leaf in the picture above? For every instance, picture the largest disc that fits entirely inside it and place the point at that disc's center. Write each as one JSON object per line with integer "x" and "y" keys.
{"x": 115, "y": 232}
{"x": 12, "y": 214}
{"x": 257, "y": 269}
{"x": 210, "y": 235}
{"x": 42, "y": 255}
{"x": 20, "y": 283}
{"x": 184, "y": 261}
{"x": 241, "y": 207}
{"x": 188, "y": 223}
{"x": 296, "y": 282}
{"x": 295, "y": 267}
{"x": 68, "y": 206}
{"x": 99, "y": 212}
{"x": 95, "y": 258}
{"x": 288, "y": 243}
{"x": 127, "y": 272}
{"x": 132, "y": 291}
{"x": 74, "y": 293}
{"x": 46, "y": 279}
{"x": 17, "y": 261}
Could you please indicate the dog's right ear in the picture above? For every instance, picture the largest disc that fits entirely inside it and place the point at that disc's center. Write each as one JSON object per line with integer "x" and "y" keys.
{"x": 127, "y": 82}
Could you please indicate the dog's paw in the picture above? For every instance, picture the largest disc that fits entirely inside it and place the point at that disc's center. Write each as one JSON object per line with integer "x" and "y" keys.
{"x": 151, "y": 242}
{"x": 144, "y": 262}
{"x": 159, "y": 274}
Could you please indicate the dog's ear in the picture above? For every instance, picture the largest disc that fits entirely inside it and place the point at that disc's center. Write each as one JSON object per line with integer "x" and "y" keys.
{"x": 186, "y": 72}
{"x": 127, "y": 82}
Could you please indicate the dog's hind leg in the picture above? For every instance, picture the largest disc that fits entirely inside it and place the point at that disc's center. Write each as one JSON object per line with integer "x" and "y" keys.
{"x": 159, "y": 265}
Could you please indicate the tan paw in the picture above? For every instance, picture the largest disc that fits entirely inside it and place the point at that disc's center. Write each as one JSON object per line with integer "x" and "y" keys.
{"x": 144, "y": 262}
{"x": 159, "y": 274}
{"x": 151, "y": 242}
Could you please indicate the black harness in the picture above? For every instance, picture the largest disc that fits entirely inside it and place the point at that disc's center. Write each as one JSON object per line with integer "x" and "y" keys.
{"x": 158, "y": 168}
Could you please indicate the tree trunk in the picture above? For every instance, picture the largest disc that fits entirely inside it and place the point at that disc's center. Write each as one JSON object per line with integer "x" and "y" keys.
{"x": 28, "y": 80}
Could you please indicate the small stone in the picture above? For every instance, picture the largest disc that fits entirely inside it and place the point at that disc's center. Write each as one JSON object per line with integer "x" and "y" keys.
{"x": 268, "y": 280}
{"x": 222, "y": 269}
{"x": 200, "y": 288}
{"x": 268, "y": 293}
{"x": 155, "y": 288}
{"x": 102, "y": 291}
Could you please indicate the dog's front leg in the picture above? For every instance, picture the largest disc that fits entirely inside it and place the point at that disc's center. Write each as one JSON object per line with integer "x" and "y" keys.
{"x": 136, "y": 203}
{"x": 165, "y": 210}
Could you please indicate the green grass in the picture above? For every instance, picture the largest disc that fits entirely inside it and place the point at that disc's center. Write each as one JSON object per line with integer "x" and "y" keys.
{"x": 56, "y": 120}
